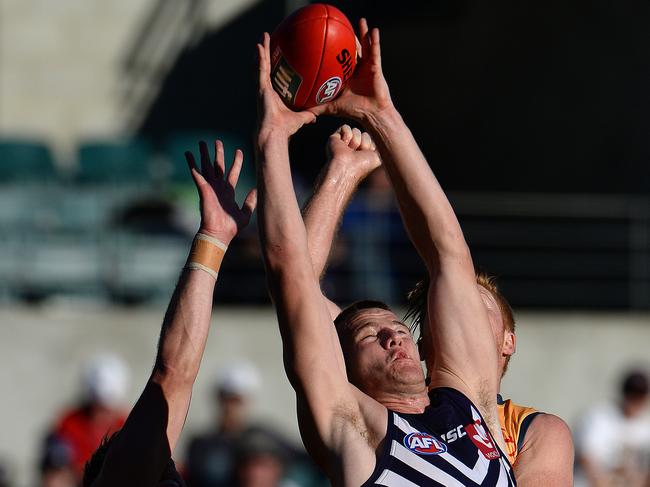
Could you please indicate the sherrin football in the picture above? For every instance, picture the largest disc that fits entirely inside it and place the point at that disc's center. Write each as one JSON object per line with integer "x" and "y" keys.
{"x": 313, "y": 55}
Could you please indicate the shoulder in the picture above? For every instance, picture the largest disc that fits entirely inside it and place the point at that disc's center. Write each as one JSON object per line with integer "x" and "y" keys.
{"x": 549, "y": 424}
{"x": 548, "y": 431}
{"x": 547, "y": 454}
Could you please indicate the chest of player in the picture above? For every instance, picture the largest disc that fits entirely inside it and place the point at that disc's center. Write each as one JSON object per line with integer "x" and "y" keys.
{"x": 446, "y": 445}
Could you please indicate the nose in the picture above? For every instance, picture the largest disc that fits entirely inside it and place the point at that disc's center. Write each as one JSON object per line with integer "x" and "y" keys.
{"x": 391, "y": 338}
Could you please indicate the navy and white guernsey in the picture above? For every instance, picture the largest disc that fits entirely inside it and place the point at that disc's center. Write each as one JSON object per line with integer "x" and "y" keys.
{"x": 448, "y": 444}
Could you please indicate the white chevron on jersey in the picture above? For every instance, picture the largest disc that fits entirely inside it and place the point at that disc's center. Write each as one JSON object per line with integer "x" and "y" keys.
{"x": 476, "y": 474}
{"x": 391, "y": 479}
{"x": 418, "y": 463}
{"x": 505, "y": 467}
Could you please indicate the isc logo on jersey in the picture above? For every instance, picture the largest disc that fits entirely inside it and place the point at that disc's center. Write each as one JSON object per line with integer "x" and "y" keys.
{"x": 424, "y": 444}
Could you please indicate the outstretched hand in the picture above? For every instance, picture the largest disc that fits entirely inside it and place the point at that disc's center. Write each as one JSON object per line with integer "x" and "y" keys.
{"x": 221, "y": 217}
{"x": 273, "y": 114}
{"x": 354, "y": 151}
{"x": 367, "y": 92}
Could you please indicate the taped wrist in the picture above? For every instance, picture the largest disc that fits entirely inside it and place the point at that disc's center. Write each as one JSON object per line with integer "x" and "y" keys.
{"x": 206, "y": 254}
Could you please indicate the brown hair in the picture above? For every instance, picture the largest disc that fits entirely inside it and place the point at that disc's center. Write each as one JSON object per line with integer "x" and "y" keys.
{"x": 352, "y": 309}
{"x": 344, "y": 316}
{"x": 417, "y": 304}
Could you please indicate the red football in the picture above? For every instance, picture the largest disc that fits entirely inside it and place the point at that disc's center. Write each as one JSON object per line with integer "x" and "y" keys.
{"x": 313, "y": 55}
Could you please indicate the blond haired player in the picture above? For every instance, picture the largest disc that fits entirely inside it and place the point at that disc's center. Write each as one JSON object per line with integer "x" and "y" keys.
{"x": 539, "y": 445}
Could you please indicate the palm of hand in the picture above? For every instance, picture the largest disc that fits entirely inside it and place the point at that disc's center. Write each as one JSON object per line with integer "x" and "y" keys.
{"x": 272, "y": 112}
{"x": 367, "y": 91}
{"x": 221, "y": 217}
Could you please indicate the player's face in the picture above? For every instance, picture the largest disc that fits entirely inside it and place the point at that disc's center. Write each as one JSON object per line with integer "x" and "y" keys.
{"x": 381, "y": 354}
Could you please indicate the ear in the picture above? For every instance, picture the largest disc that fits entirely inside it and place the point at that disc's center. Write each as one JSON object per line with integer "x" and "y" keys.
{"x": 509, "y": 343}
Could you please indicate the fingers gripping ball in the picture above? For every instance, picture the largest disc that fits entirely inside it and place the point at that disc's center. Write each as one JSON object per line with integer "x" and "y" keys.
{"x": 313, "y": 55}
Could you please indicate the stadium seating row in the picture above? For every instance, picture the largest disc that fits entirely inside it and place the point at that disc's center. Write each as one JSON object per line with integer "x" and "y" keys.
{"x": 122, "y": 161}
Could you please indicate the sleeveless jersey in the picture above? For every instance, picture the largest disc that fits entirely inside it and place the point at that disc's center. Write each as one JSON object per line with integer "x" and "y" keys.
{"x": 515, "y": 421}
{"x": 446, "y": 445}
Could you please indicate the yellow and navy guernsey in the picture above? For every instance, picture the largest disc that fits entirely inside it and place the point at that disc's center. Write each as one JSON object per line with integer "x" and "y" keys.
{"x": 515, "y": 420}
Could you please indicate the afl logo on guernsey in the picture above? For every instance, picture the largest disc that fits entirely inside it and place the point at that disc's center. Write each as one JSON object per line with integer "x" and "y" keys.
{"x": 424, "y": 444}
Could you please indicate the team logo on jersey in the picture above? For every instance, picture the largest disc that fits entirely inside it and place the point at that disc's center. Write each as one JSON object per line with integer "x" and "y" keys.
{"x": 329, "y": 89}
{"x": 482, "y": 440}
{"x": 424, "y": 444}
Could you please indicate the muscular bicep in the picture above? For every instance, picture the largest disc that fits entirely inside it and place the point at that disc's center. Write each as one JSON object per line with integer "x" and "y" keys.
{"x": 337, "y": 421}
{"x": 313, "y": 357}
{"x": 460, "y": 337}
{"x": 546, "y": 456}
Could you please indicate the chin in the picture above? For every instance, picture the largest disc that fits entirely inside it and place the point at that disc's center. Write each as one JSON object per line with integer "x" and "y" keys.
{"x": 408, "y": 372}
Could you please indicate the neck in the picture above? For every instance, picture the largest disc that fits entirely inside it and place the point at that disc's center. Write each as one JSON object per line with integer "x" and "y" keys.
{"x": 407, "y": 403}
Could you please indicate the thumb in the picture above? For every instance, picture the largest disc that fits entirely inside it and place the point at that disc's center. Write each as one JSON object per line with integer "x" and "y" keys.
{"x": 308, "y": 117}
{"x": 249, "y": 206}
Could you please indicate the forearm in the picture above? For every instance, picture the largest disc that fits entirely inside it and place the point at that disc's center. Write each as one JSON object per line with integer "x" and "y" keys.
{"x": 185, "y": 327}
{"x": 323, "y": 212}
{"x": 282, "y": 231}
{"x": 182, "y": 342}
{"x": 426, "y": 211}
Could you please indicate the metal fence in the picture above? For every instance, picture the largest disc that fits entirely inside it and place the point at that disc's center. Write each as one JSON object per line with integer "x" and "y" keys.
{"x": 548, "y": 250}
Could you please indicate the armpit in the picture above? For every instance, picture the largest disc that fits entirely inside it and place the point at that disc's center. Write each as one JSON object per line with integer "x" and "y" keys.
{"x": 348, "y": 419}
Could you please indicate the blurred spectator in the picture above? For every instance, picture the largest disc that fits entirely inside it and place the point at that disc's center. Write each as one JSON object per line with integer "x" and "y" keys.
{"x": 613, "y": 442}
{"x": 210, "y": 460}
{"x": 4, "y": 475}
{"x": 100, "y": 411}
{"x": 237, "y": 452}
{"x": 56, "y": 464}
{"x": 260, "y": 461}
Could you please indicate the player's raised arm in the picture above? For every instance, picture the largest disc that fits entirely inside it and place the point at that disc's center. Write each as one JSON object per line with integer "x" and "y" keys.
{"x": 139, "y": 455}
{"x": 460, "y": 332}
{"x": 352, "y": 155}
{"x": 327, "y": 404}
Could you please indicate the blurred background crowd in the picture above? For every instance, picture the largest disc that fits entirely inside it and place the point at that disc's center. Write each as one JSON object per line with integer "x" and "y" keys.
{"x": 534, "y": 117}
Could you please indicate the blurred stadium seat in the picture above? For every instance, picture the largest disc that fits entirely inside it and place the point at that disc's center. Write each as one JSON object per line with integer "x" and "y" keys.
{"x": 145, "y": 267}
{"x": 123, "y": 161}
{"x": 62, "y": 264}
{"x": 176, "y": 145}
{"x": 25, "y": 161}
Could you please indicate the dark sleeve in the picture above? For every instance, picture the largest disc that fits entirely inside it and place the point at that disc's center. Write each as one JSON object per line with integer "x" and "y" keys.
{"x": 525, "y": 424}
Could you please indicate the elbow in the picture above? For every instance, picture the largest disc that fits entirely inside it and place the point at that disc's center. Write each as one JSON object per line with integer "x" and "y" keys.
{"x": 287, "y": 261}
{"x": 173, "y": 376}
{"x": 451, "y": 248}
{"x": 451, "y": 242}
{"x": 276, "y": 257}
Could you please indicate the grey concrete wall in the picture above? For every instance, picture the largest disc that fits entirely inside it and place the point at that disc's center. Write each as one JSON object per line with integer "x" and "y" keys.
{"x": 60, "y": 65}
{"x": 564, "y": 362}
